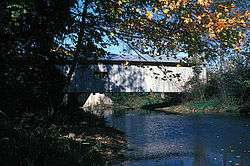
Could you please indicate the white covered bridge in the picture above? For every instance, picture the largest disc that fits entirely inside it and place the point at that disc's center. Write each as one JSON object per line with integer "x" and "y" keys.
{"x": 119, "y": 75}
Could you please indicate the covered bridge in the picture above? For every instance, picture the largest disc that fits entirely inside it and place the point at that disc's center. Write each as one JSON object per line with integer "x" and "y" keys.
{"x": 128, "y": 74}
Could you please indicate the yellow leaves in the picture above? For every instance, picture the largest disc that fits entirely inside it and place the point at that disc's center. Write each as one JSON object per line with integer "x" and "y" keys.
{"x": 209, "y": 25}
{"x": 225, "y": 8}
{"x": 177, "y": 4}
{"x": 169, "y": 6}
{"x": 172, "y": 6}
{"x": 219, "y": 15}
{"x": 184, "y": 2}
{"x": 187, "y": 20}
{"x": 242, "y": 21}
{"x": 200, "y": 2}
{"x": 149, "y": 15}
{"x": 61, "y": 51}
{"x": 241, "y": 35}
{"x": 212, "y": 35}
{"x": 237, "y": 48}
{"x": 216, "y": 26}
{"x": 165, "y": 11}
{"x": 120, "y": 2}
{"x": 204, "y": 3}
{"x": 220, "y": 25}
{"x": 112, "y": 34}
{"x": 211, "y": 31}
{"x": 155, "y": 9}
{"x": 198, "y": 19}
{"x": 165, "y": 2}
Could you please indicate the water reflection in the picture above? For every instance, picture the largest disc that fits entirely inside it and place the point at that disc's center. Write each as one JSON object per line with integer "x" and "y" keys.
{"x": 160, "y": 139}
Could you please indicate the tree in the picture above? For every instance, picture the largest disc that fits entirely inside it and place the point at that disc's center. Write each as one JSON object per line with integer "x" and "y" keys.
{"x": 28, "y": 74}
{"x": 159, "y": 27}
{"x": 46, "y": 32}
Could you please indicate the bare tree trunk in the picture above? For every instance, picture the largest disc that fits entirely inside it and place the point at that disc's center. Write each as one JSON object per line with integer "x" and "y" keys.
{"x": 77, "y": 50}
{"x": 221, "y": 71}
{"x": 79, "y": 42}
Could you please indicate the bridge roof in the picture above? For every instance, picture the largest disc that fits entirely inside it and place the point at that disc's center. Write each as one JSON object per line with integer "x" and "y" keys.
{"x": 111, "y": 59}
{"x": 136, "y": 58}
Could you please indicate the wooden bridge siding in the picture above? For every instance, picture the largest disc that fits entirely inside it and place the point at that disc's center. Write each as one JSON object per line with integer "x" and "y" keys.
{"x": 130, "y": 79}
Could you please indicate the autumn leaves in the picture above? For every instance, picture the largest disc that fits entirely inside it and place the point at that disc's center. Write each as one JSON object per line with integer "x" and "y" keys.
{"x": 205, "y": 18}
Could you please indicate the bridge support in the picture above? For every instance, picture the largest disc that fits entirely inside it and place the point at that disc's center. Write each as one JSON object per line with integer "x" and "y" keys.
{"x": 96, "y": 99}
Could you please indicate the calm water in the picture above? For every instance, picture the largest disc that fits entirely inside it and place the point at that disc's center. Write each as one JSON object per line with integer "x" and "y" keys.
{"x": 174, "y": 140}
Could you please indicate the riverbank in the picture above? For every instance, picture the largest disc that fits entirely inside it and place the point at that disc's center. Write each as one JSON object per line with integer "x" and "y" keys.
{"x": 134, "y": 100}
{"x": 176, "y": 105}
{"x": 69, "y": 137}
{"x": 211, "y": 106}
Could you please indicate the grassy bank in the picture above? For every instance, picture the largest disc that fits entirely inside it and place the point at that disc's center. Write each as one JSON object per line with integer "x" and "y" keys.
{"x": 135, "y": 100}
{"x": 210, "y": 106}
{"x": 69, "y": 137}
{"x": 176, "y": 103}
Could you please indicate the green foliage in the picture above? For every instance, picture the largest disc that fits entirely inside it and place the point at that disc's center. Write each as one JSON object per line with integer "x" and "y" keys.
{"x": 205, "y": 105}
{"x": 215, "y": 104}
{"x": 229, "y": 37}
{"x": 30, "y": 79}
{"x": 225, "y": 89}
{"x": 37, "y": 35}
{"x": 235, "y": 83}
{"x": 135, "y": 100}
{"x": 37, "y": 131}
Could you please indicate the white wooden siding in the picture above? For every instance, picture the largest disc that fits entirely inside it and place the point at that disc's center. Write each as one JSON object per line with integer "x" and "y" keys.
{"x": 131, "y": 78}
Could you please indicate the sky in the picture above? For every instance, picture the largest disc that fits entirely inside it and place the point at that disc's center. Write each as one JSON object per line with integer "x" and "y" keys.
{"x": 119, "y": 50}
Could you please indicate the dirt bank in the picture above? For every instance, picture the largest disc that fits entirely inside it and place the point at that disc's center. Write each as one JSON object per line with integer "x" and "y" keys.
{"x": 69, "y": 137}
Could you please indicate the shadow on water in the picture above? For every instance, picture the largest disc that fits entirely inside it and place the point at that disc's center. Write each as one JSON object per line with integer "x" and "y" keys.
{"x": 206, "y": 140}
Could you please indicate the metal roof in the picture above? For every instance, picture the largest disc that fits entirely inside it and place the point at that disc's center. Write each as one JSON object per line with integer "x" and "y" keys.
{"x": 142, "y": 58}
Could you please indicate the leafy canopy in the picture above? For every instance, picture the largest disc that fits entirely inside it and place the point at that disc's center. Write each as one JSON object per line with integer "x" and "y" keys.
{"x": 157, "y": 27}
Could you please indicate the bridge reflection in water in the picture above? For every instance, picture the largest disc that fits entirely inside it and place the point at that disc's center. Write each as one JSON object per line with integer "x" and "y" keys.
{"x": 205, "y": 140}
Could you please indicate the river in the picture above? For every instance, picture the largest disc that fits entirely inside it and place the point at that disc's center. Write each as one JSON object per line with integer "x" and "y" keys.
{"x": 159, "y": 139}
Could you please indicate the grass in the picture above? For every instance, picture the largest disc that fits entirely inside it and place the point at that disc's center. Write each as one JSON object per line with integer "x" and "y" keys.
{"x": 135, "y": 100}
{"x": 205, "y": 105}
{"x": 212, "y": 105}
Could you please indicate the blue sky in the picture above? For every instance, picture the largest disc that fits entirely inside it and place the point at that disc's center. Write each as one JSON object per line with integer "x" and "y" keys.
{"x": 119, "y": 50}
